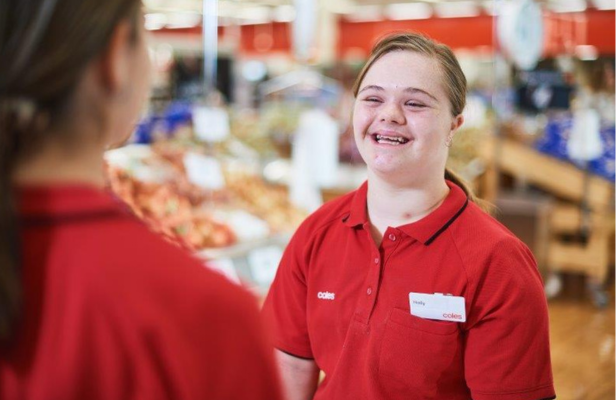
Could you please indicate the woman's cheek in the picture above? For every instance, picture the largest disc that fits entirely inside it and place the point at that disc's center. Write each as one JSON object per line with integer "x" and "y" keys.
{"x": 359, "y": 123}
{"x": 365, "y": 117}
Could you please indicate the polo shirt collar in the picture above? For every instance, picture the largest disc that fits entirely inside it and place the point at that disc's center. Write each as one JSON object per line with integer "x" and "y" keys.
{"x": 358, "y": 214}
{"x": 426, "y": 229}
{"x": 65, "y": 201}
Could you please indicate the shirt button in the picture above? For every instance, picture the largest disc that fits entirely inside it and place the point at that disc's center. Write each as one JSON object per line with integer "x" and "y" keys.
{"x": 376, "y": 260}
{"x": 392, "y": 237}
{"x": 369, "y": 291}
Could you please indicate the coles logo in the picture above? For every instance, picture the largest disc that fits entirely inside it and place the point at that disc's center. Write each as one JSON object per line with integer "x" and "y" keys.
{"x": 326, "y": 296}
{"x": 452, "y": 316}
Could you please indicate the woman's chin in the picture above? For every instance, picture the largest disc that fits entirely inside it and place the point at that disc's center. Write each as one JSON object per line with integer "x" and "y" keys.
{"x": 387, "y": 172}
{"x": 386, "y": 164}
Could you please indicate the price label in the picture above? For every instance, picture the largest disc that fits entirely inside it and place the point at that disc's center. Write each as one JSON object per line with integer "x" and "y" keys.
{"x": 211, "y": 124}
{"x": 204, "y": 171}
{"x": 263, "y": 264}
{"x": 225, "y": 267}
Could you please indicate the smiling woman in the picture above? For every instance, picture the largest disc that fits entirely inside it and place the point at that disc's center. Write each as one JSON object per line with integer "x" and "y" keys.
{"x": 410, "y": 231}
{"x": 437, "y": 84}
{"x": 402, "y": 122}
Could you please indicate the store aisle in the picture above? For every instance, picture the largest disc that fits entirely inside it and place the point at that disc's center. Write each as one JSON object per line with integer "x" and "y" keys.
{"x": 582, "y": 341}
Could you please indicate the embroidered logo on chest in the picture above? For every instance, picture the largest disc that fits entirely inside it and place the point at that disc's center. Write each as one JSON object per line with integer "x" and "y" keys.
{"x": 326, "y": 296}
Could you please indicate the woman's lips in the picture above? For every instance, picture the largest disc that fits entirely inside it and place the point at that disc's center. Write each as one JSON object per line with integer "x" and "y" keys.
{"x": 389, "y": 139}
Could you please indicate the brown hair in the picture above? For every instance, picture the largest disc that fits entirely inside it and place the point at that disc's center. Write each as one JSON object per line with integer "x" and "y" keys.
{"x": 455, "y": 81}
{"x": 45, "y": 46}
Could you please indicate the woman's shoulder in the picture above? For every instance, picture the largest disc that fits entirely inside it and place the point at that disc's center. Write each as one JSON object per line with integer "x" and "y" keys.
{"x": 485, "y": 227}
{"x": 481, "y": 238}
{"x": 124, "y": 258}
{"x": 336, "y": 210}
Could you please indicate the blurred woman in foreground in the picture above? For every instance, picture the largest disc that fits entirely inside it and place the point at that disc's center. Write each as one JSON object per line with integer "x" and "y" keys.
{"x": 93, "y": 305}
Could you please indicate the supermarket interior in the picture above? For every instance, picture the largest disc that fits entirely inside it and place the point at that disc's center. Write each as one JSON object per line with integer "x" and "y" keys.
{"x": 248, "y": 130}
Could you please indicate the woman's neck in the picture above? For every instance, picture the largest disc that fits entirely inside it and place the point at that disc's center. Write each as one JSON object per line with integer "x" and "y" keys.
{"x": 56, "y": 164}
{"x": 393, "y": 206}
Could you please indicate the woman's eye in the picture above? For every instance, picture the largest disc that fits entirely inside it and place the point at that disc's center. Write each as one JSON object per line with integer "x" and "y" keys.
{"x": 416, "y": 105}
{"x": 372, "y": 99}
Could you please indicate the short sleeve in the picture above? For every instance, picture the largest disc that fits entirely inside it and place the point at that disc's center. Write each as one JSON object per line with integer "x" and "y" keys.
{"x": 285, "y": 306}
{"x": 507, "y": 351}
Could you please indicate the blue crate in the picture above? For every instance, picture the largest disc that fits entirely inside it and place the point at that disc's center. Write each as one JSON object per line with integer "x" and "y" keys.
{"x": 554, "y": 143}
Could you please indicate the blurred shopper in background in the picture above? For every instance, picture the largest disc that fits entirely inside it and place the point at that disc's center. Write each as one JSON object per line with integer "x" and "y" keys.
{"x": 93, "y": 305}
{"x": 405, "y": 288}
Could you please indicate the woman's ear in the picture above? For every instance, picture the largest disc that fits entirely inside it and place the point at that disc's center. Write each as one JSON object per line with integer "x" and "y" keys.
{"x": 114, "y": 61}
{"x": 456, "y": 123}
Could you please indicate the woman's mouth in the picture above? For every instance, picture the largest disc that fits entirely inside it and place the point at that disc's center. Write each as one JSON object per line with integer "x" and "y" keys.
{"x": 389, "y": 140}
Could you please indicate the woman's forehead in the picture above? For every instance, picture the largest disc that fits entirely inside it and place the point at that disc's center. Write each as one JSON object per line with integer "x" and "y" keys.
{"x": 400, "y": 69}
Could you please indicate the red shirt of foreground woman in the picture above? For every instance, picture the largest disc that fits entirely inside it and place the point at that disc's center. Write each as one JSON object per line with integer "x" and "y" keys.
{"x": 112, "y": 311}
{"x": 92, "y": 304}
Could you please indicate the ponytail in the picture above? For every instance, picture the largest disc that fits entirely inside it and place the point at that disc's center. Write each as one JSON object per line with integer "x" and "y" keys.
{"x": 35, "y": 96}
{"x": 462, "y": 184}
{"x": 13, "y": 116}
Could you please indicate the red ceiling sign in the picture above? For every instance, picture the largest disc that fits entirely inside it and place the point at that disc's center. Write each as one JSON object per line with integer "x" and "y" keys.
{"x": 563, "y": 32}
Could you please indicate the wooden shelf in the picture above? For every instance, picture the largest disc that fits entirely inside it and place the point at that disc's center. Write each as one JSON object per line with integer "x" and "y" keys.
{"x": 567, "y": 182}
{"x": 566, "y": 218}
{"x": 550, "y": 174}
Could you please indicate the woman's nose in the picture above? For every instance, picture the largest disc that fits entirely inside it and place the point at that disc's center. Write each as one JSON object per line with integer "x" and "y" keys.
{"x": 392, "y": 112}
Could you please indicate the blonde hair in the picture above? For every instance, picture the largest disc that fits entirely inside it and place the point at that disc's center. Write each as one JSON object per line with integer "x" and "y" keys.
{"x": 454, "y": 79}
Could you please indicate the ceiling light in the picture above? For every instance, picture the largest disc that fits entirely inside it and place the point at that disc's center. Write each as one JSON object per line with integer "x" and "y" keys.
{"x": 284, "y": 13}
{"x": 255, "y": 15}
{"x": 228, "y": 9}
{"x": 183, "y": 20}
{"x": 173, "y": 6}
{"x": 365, "y": 14}
{"x": 568, "y": 6}
{"x": 457, "y": 9}
{"x": 490, "y": 8}
{"x": 406, "y": 11}
{"x": 340, "y": 6}
{"x": 155, "y": 21}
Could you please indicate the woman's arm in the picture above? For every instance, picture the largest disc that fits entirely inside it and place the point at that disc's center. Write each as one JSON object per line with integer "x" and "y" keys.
{"x": 299, "y": 376}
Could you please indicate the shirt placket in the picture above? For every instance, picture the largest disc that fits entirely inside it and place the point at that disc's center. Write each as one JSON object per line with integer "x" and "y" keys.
{"x": 371, "y": 287}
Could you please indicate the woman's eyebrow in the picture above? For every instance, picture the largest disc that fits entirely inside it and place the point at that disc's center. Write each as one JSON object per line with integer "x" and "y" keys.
{"x": 417, "y": 90}
{"x": 408, "y": 89}
{"x": 375, "y": 87}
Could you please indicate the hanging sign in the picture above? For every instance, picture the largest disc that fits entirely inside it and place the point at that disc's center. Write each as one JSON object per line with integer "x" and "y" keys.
{"x": 521, "y": 33}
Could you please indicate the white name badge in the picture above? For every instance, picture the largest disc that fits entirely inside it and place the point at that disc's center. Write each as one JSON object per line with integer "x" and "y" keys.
{"x": 437, "y": 306}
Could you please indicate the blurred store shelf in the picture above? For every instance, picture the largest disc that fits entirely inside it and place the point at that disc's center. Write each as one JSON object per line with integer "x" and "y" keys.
{"x": 581, "y": 222}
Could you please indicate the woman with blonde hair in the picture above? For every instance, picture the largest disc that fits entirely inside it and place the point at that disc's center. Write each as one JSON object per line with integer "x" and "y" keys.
{"x": 405, "y": 288}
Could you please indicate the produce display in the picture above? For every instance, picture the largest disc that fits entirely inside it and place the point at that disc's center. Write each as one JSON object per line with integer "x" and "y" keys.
{"x": 154, "y": 182}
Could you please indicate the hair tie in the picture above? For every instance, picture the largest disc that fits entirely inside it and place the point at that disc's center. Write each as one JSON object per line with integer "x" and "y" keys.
{"x": 22, "y": 108}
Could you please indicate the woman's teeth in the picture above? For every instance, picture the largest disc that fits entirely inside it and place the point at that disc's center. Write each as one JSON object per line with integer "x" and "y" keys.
{"x": 391, "y": 140}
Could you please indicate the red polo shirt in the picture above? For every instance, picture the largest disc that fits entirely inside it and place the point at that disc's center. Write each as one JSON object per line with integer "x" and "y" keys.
{"x": 340, "y": 300}
{"x": 112, "y": 311}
